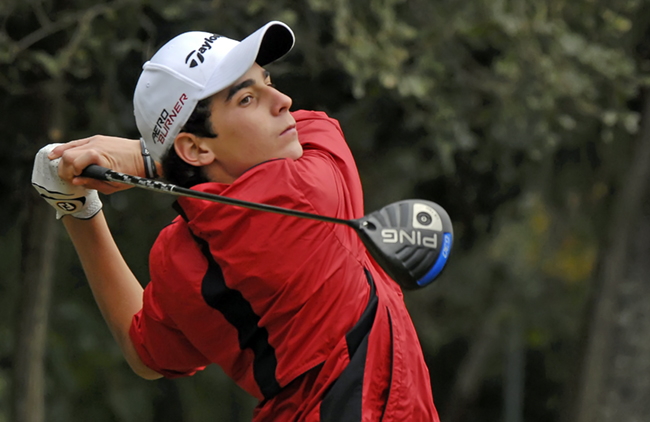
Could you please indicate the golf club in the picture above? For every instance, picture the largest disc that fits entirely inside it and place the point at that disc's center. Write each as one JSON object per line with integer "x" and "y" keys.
{"x": 411, "y": 239}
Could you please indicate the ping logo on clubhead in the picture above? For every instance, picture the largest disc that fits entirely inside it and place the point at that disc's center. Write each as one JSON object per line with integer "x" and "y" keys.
{"x": 412, "y": 237}
{"x": 207, "y": 45}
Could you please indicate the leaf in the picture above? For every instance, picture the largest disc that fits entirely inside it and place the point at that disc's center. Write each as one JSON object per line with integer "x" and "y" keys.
{"x": 49, "y": 63}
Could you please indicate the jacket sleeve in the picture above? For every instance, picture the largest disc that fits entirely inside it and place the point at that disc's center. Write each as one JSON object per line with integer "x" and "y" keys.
{"x": 160, "y": 345}
{"x": 327, "y": 164}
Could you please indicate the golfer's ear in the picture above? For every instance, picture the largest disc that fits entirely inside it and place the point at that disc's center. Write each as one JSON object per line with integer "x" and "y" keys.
{"x": 192, "y": 150}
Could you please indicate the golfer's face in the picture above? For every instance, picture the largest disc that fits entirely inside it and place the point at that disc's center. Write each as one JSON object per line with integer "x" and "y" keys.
{"x": 253, "y": 124}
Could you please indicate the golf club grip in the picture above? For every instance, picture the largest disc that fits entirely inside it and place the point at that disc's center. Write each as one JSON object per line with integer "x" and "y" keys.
{"x": 94, "y": 171}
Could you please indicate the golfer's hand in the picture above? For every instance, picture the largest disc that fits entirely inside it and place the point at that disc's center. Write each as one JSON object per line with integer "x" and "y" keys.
{"x": 65, "y": 198}
{"x": 119, "y": 154}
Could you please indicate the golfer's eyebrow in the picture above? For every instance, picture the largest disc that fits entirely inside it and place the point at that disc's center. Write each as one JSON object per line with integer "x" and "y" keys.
{"x": 245, "y": 84}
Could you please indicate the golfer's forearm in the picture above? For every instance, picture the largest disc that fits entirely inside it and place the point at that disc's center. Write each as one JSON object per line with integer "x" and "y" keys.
{"x": 116, "y": 290}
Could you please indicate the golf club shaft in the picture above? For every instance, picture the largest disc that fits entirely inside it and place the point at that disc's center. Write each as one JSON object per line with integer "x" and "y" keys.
{"x": 101, "y": 173}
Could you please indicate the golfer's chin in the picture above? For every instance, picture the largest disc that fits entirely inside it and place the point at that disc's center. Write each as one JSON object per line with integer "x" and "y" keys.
{"x": 293, "y": 150}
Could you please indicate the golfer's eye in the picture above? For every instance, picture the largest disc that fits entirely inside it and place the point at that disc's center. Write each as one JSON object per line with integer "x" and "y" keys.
{"x": 246, "y": 100}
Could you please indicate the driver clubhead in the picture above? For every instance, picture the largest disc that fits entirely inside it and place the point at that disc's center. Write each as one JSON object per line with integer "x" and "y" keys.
{"x": 411, "y": 240}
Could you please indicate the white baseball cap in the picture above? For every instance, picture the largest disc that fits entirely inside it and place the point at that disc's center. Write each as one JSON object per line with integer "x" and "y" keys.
{"x": 191, "y": 67}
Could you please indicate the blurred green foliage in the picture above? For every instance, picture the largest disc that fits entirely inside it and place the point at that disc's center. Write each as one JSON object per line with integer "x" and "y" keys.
{"x": 518, "y": 117}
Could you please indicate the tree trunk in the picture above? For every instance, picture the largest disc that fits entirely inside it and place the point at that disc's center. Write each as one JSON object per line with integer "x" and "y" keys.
{"x": 515, "y": 373}
{"x": 472, "y": 368}
{"x": 616, "y": 373}
{"x": 628, "y": 381}
{"x": 39, "y": 237}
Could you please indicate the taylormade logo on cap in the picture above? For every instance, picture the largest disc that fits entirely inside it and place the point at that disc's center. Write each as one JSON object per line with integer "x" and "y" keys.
{"x": 194, "y": 66}
{"x": 201, "y": 51}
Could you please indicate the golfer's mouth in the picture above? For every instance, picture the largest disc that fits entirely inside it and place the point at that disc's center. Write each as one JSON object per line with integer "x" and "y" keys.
{"x": 290, "y": 129}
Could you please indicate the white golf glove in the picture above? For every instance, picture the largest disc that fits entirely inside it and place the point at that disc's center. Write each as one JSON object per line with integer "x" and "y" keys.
{"x": 65, "y": 198}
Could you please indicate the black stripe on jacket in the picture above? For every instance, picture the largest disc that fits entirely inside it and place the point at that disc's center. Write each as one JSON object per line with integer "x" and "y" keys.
{"x": 239, "y": 313}
{"x": 343, "y": 401}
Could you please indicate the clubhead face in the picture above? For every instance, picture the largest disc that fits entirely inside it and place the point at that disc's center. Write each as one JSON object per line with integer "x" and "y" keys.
{"x": 411, "y": 240}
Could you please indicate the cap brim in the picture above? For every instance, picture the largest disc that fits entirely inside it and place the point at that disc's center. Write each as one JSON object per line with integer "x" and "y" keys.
{"x": 264, "y": 46}
{"x": 276, "y": 40}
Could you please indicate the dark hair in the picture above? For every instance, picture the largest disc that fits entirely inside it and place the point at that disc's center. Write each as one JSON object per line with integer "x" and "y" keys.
{"x": 176, "y": 170}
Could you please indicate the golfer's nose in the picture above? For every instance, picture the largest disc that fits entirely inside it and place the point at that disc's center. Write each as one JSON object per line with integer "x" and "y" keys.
{"x": 281, "y": 102}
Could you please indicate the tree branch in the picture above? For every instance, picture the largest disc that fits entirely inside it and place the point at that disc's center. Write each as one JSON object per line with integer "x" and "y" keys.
{"x": 68, "y": 20}
{"x": 39, "y": 12}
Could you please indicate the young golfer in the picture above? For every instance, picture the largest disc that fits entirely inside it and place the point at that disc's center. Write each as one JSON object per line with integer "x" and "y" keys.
{"x": 295, "y": 311}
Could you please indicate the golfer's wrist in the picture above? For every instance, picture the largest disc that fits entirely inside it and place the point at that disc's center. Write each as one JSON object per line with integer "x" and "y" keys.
{"x": 150, "y": 166}
{"x": 82, "y": 232}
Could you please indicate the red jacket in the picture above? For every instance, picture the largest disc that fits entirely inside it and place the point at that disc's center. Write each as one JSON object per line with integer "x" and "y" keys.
{"x": 294, "y": 310}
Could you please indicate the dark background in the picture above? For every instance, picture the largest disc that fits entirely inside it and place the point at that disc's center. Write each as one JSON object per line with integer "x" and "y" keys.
{"x": 527, "y": 120}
